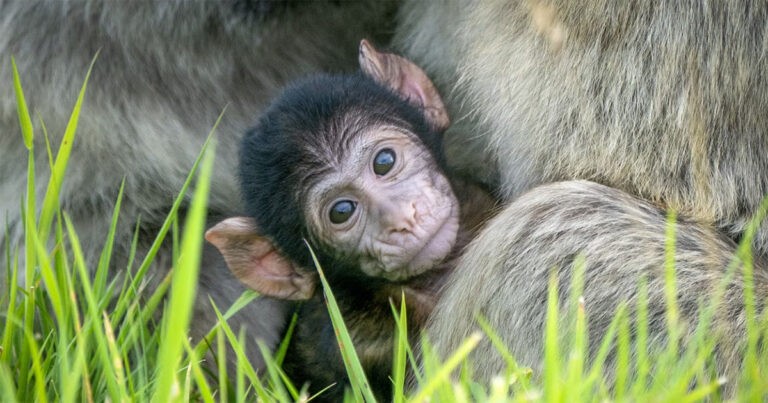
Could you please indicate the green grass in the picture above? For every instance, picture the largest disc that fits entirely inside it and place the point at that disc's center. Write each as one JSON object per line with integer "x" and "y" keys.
{"x": 72, "y": 333}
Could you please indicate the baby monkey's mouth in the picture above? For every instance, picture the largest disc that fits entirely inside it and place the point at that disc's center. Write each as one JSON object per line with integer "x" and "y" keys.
{"x": 439, "y": 245}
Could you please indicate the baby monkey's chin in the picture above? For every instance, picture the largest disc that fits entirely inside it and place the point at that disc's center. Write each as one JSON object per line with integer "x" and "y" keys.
{"x": 432, "y": 254}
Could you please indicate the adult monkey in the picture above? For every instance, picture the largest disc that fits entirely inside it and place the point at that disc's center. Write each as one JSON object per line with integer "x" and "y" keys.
{"x": 165, "y": 71}
{"x": 662, "y": 100}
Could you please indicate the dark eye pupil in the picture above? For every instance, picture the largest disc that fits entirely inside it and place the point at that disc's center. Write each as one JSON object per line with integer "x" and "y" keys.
{"x": 384, "y": 161}
{"x": 341, "y": 211}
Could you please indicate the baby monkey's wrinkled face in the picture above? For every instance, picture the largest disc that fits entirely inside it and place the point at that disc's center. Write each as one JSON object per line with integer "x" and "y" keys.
{"x": 384, "y": 205}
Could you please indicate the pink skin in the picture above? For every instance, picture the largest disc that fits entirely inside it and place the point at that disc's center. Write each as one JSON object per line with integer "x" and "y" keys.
{"x": 406, "y": 221}
{"x": 416, "y": 220}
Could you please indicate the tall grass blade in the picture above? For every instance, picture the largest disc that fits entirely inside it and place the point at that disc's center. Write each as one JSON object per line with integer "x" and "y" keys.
{"x": 25, "y": 121}
{"x": 622, "y": 358}
{"x": 52, "y": 287}
{"x": 282, "y": 349}
{"x": 670, "y": 285}
{"x": 399, "y": 360}
{"x": 95, "y": 325}
{"x": 116, "y": 362}
{"x": 579, "y": 339}
{"x": 184, "y": 286}
{"x": 240, "y": 370}
{"x": 28, "y": 214}
{"x": 51, "y": 200}
{"x": 359, "y": 382}
{"x": 221, "y": 351}
{"x": 102, "y": 270}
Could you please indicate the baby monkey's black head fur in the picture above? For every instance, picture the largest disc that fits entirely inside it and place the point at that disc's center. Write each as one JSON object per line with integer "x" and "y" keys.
{"x": 303, "y": 132}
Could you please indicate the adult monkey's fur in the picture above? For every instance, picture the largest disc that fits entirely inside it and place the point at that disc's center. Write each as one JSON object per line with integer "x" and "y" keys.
{"x": 165, "y": 71}
{"x": 663, "y": 101}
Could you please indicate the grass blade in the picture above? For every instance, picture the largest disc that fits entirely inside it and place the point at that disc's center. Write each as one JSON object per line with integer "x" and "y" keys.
{"x": 357, "y": 378}
{"x": 282, "y": 349}
{"x": 51, "y": 200}
{"x": 399, "y": 360}
{"x": 184, "y": 286}
{"x": 25, "y": 121}
{"x": 102, "y": 269}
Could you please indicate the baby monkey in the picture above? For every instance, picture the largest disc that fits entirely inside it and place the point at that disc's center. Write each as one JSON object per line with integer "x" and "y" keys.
{"x": 353, "y": 164}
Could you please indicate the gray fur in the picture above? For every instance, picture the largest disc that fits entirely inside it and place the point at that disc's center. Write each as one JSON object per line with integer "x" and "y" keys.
{"x": 165, "y": 71}
{"x": 505, "y": 274}
{"x": 665, "y": 100}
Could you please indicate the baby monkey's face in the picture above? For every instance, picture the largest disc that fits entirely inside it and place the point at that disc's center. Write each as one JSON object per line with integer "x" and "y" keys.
{"x": 384, "y": 206}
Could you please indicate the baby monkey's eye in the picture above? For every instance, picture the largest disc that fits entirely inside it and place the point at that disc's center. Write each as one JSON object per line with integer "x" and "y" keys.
{"x": 341, "y": 211}
{"x": 384, "y": 161}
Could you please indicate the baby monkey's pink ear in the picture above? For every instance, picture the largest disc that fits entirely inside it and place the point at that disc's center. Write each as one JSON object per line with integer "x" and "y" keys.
{"x": 406, "y": 79}
{"x": 256, "y": 262}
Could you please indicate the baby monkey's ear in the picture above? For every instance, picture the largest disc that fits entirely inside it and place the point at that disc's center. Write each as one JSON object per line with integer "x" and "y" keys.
{"x": 256, "y": 262}
{"x": 406, "y": 79}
